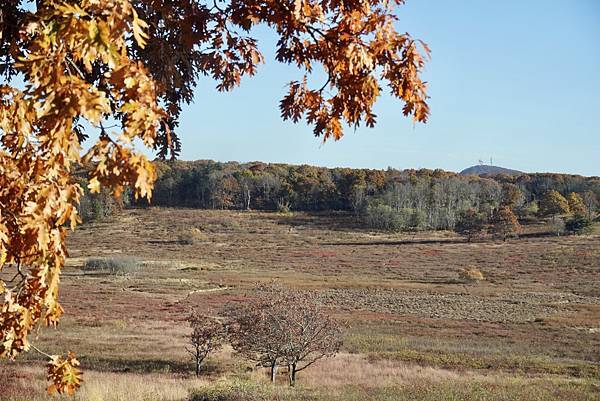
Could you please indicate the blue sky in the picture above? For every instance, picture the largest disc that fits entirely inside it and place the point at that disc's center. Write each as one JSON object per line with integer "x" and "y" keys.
{"x": 518, "y": 81}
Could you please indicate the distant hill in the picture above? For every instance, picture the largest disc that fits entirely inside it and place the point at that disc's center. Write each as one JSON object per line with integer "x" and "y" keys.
{"x": 486, "y": 169}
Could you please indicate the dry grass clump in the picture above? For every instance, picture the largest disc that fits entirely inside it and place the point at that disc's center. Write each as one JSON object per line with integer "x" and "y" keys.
{"x": 351, "y": 369}
{"x": 121, "y": 264}
{"x": 191, "y": 236}
{"x": 471, "y": 275}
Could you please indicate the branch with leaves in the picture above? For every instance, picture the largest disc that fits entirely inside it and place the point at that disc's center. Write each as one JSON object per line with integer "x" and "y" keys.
{"x": 39, "y": 148}
{"x": 117, "y": 60}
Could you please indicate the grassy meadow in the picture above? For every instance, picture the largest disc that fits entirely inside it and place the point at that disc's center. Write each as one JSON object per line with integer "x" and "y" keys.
{"x": 415, "y": 328}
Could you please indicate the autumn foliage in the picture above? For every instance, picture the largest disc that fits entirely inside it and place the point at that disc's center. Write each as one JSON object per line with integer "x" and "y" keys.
{"x": 40, "y": 146}
{"x": 109, "y": 64}
{"x": 64, "y": 374}
{"x": 504, "y": 223}
{"x": 576, "y": 205}
{"x": 553, "y": 204}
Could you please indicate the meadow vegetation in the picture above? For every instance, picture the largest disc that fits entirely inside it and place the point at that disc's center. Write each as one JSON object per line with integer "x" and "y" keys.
{"x": 120, "y": 264}
{"x": 416, "y": 326}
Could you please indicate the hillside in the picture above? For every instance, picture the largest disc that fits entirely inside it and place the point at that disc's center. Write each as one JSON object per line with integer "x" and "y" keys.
{"x": 482, "y": 169}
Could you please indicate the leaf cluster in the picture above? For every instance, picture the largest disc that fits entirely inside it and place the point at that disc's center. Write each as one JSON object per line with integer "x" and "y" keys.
{"x": 61, "y": 46}
{"x": 505, "y": 223}
{"x": 64, "y": 374}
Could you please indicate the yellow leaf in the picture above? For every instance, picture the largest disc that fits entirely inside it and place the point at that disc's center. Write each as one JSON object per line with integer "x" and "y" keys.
{"x": 138, "y": 30}
{"x": 94, "y": 185}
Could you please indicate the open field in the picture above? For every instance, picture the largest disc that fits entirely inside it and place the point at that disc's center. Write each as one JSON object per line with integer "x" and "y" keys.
{"x": 529, "y": 331}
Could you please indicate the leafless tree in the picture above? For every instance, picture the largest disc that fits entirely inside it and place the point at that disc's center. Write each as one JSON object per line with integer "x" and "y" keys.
{"x": 591, "y": 203}
{"x": 207, "y": 336}
{"x": 286, "y": 327}
{"x": 310, "y": 333}
{"x": 358, "y": 199}
{"x": 255, "y": 331}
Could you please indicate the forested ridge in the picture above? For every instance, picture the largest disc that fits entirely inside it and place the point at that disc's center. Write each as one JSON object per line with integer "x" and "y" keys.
{"x": 387, "y": 199}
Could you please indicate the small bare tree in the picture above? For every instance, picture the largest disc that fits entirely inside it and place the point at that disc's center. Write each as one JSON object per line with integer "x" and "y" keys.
{"x": 255, "y": 330}
{"x": 284, "y": 327}
{"x": 310, "y": 333}
{"x": 207, "y": 336}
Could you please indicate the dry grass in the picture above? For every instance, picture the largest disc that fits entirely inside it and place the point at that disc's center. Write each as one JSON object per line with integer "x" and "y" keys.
{"x": 344, "y": 378}
{"x": 351, "y": 369}
{"x": 191, "y": 236}
{"x": 120, "y": 264}
{"x": 102, "y": 386}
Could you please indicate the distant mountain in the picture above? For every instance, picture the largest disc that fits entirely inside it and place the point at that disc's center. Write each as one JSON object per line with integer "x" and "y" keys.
{"x": 487, "y": 169}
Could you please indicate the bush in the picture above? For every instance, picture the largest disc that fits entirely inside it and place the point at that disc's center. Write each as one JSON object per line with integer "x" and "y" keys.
{"x": 237, "y": 390}
{"x": 100, "y": 206}
{"x": 578, "y": 224}
{"x": 114, "y": 264}
{"x": 283, "y": 206}
{"x": 505, "y": 223}
{"x": 383, "y": 217}
{"x": 471, "y": 274}
{"x": 417, "y": 219}
{"x": 470, "y": 223}
{"x": 528, "y": 211}
{"x": 191, "y": 237}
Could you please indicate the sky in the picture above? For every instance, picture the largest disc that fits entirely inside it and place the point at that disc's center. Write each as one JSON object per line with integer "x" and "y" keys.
{"x": 516, "y": 81}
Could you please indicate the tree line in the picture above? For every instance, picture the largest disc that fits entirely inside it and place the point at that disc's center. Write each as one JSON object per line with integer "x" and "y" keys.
{"x": 384, "y": 199}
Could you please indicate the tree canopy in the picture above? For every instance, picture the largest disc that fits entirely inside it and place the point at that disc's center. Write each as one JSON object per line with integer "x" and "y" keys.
{"x": 129, "y": 65}
{"x": 553, "y": 203}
